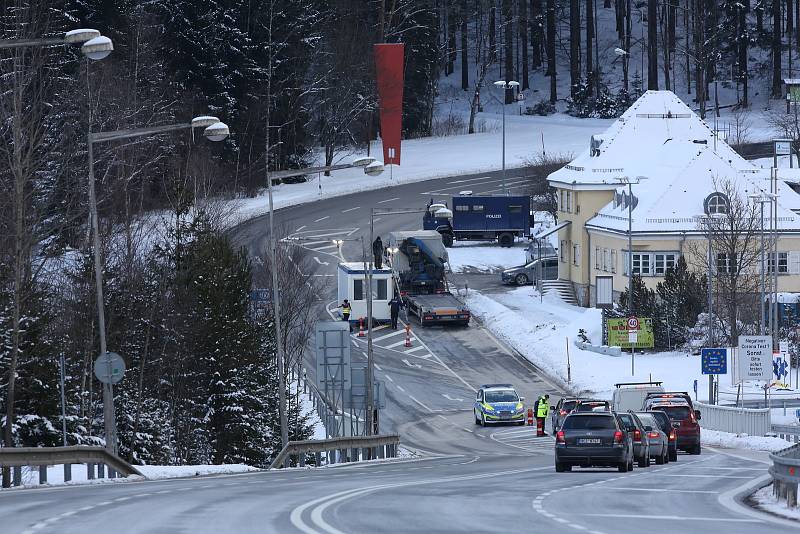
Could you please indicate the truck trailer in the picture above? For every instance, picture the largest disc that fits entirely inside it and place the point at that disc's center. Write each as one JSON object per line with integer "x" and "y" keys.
{"x": 418, "y": 262}
{"x": 481, "y": 218}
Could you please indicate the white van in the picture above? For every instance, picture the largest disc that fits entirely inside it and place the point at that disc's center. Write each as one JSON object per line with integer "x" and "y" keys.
{"x": 631, "y": 395}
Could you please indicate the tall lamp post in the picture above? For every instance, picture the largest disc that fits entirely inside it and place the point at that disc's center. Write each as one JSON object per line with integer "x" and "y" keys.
{"x": 630, "y": 181}
{"x": 371, "y": 168}
{"x": 708, "y": 221}
{"x": 214, "y": 130}
{"x": 762, "y": 198}
{"x": 505, "y": 86}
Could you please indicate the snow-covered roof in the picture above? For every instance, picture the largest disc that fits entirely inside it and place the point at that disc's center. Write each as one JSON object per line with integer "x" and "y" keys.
{"x": 662, "y": 140}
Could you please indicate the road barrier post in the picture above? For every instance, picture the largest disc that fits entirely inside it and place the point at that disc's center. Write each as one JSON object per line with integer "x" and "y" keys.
{"x": 539, "y": 427}
{"x": 361, "y": 327}
{"x": 530, "y": 416}
{"x": 408, "y": 335}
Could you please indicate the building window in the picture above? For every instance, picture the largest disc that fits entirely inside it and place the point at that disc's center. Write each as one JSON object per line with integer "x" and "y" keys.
{"x": 641, "y": 264}
{"x": 662, "y": 262}
{"x": 358, "y": 289}
{"x": 477, "y": 207}
{"x": 381, "y": 289}
{"x": 562, "y": 251}
{"x": 576, "y": 254}
{"x": 597, "y": 253}
{"x": 515, "y": 209}
{"x": 569, "y": 201}
{"x": 716, "y": 203}
{"x": 783, "y": 262}
{"x": 613, "y": 261}
{"x": 462, "y": 207}
{"x": 726, "y": 264}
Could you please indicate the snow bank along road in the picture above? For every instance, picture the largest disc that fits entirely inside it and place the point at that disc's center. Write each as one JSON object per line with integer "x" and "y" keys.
{"x": 472, "y": 480}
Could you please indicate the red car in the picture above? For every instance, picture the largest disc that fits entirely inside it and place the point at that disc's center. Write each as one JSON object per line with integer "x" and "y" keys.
{"x": 684, "y": 421}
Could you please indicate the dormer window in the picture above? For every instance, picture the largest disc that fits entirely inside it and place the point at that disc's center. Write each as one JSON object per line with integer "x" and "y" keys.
{"x": 716, "y": 203}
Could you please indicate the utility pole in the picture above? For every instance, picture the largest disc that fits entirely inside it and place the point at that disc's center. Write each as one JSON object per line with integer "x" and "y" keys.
{"x": 370, "y": 357}
{"x": 710, "y": 341}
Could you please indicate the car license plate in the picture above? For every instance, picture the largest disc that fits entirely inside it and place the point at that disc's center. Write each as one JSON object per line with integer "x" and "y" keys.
{"x": 505, "y": 416}
{"x": 588, "y": 441}
{"x": 676, "y": 424}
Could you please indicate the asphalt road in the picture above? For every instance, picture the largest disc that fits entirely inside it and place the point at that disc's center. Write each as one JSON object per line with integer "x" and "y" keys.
{"x": 470, "y": 479}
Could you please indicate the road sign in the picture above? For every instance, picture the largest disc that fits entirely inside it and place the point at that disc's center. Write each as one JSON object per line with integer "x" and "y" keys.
{"x": 109, "y": 368}
{"x": 714, "y": 361}
{"x": 633, "y": 323}
{"x": 618, "y": 333}
{"x": 695, "y": 389}
{"x": 755, "y": 358}
{"x": 633, "y": 337}
{"x": 779, "y": 368}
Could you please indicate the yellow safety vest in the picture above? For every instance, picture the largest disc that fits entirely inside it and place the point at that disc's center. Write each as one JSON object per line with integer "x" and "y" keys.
{"x": 543, "y": 408}
{"x": 345, "y": 309}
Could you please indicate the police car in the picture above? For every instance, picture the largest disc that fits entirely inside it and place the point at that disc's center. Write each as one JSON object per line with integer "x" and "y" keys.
{"x": 498, "y": 403}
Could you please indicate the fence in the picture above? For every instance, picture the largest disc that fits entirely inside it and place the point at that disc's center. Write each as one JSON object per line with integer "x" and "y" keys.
{"x": 785, "y": 473}
{"x": 95, "y": 458}
{"x": 348, "y": 449}
{"x": 753, "y": 422}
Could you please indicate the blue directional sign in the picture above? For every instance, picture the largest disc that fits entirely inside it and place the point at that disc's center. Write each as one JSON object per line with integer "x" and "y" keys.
{"x": 714, "y": 361}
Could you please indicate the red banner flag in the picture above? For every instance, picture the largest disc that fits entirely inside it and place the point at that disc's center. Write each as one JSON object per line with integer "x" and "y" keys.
{"x": 389, "y": 77}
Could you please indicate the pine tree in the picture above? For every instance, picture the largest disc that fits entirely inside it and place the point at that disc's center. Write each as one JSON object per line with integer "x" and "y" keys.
{"x": 681, "y": 300}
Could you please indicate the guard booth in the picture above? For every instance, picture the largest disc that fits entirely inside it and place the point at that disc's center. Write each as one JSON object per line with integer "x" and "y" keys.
{"x": 352, "y": 285}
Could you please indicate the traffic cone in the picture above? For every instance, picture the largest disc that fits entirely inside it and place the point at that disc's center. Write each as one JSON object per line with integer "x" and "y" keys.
{"x": 539, "y": 427}
{"x": 408, "y": 336}
{"x": 361, "y": 327}
{"x": 530, "y": 416}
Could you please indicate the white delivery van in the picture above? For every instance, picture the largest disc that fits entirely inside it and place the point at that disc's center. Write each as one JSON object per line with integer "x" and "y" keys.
{"x": 631, "y": 395}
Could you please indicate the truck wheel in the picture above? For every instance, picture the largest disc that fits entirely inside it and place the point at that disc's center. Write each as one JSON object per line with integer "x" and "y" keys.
{"x": 447, "y": 239}
{"x": 506, "y": 240}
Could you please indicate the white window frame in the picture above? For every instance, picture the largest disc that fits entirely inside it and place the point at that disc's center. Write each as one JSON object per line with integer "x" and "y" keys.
{"x": 649, "y": 259}
{"x": 783, "y": 262}
{"x": 597, "y": 253}
{"x": 576, "y": 254}
{"x": 562, "y": 251}
{"x": 668, "y": 260}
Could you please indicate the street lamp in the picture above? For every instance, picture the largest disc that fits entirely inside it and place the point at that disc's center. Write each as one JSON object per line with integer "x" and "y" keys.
{"x": 95, "y": 46}
{"x": 505, "y": 86}
{"x": 214, "y": 131}
{"x": 708, "y": 220}
{"x": 371, "y": 168}
{"x": 630, "y": 181}
{"x": 762, "y": 198}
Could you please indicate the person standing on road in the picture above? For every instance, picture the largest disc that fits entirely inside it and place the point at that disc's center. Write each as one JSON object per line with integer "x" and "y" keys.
{"x": 377, "y": 252}
{"x": 542, "y": 409}
{"x": 346, "y": 309}
{"x": 394, "y": 307}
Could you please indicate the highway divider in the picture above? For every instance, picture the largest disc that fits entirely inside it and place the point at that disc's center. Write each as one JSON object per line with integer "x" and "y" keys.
{"x": 95, "y": 458}
{"x": 342, "y": 449}
{"x": 785, "y": 473}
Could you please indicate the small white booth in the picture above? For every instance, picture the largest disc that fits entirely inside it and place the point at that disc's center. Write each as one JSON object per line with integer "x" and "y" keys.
{"x": 352, "y": 285}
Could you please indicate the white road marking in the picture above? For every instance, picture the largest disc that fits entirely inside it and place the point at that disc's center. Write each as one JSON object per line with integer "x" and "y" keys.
{"x": 351, "y": 209}
{"x": 301, "y": 228}
{"x": 448, "y": 397}
{"x": 415, "y": 349}
{"x": 388, "y": 200}
{"x": 408, "y": 363}
{"x": 705, "y": 476}
{"x": 326, "y": 247}
{"x": 659, "y": 490}
{"x": 320, "y": 262}
{"x": 395, "y": 333}
{"x": 401, "y": 388}
{"x": 322, "y": 218}
{"x": 389, "y": 378}
{"x": 421, "y": 404}
{"x": 397, "y": 344}
{"x": 470, "y": 180}
{"x": 674, "y": 518}
{"x": 378, "y": 367}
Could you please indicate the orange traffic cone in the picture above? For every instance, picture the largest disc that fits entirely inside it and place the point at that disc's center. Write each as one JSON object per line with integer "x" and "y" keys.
{"x": 408, "y": 336}
{"x": 530, "y": 416}
{"x": 361, "y": 327}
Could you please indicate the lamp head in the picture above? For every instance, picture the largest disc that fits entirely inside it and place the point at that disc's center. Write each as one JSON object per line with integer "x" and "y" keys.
{"x": 363, "y": 161}
{"x": 374, "y": 169}
{"x": 217, "y": 131}
{"x": 204, "y": 121}
{"x": 81, "y": 35}
{"x": 97, "y": 48}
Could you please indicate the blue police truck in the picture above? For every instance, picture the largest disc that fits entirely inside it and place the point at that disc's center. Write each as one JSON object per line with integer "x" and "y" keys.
{"x": 480, "y": 218}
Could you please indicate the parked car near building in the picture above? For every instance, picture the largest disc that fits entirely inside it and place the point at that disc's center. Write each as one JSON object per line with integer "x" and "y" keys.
{"x": 529, "y": 273}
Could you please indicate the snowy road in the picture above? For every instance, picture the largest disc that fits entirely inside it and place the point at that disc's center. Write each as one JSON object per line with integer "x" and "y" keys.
{"x": 473, "y": 480}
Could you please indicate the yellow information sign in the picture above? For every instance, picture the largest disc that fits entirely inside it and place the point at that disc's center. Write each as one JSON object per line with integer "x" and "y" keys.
{"x": 621, "y": 332}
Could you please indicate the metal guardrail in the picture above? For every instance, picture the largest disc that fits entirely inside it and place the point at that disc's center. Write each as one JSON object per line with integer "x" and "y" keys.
{"x": 348, "y": 449}
{"x": 41, "y": 457}
{"x": 750, "y": 421}
{"x": 785, "y": 473}
{"x": 788, "y": 432}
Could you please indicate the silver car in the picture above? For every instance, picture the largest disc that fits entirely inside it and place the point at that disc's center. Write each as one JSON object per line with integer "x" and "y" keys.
{"x": 528, "y": 273}
{"x": 656, "y": 438}
{"x": 537, "y": 249}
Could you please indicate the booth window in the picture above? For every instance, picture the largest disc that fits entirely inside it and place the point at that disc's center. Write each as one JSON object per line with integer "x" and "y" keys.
{"x": 515, "y": 209}
{"x": 358, "y": 289}
{"x": 381, "y": 289}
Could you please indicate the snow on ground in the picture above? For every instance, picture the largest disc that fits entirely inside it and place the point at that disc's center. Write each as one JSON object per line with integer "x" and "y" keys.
{"x": 436, "y": 157}
{"x": 715, "y": 438}
{"x": 55, "y": 473}
{"x": 485, "y": 257}
{"x": 767, "y": 502}
{"x": 307, "y": 408}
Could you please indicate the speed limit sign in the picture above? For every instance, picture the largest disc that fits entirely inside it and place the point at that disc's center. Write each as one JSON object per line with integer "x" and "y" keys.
{"x": 633, "y": 323}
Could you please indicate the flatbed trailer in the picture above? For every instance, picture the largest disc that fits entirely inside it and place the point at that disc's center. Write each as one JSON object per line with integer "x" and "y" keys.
{"x": 437, "y": 308}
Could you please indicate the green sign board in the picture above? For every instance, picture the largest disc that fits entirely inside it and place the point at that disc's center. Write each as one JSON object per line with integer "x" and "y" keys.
{"x": 619, "y": 332}
{"x": 794, "y": 93}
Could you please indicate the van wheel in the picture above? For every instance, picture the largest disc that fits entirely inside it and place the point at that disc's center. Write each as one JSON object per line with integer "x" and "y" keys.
{"x": 506, "y": 240}
{"x": 696, "y": 450}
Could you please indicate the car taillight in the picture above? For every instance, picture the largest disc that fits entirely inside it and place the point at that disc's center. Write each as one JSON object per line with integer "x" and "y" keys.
{"x": 652, "y": 435}
{"x": 637, "y": 436}
{"x": 560, "y": 437}
{"x": 617, "y": 437}
{"x": 672, "y": 436}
